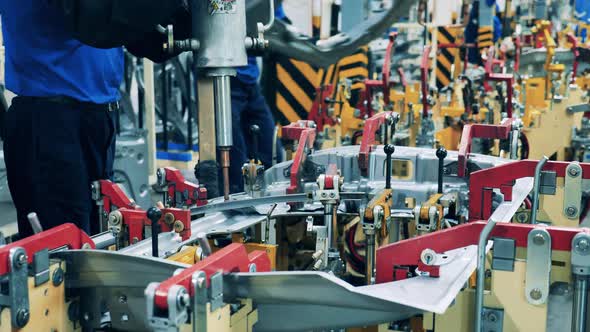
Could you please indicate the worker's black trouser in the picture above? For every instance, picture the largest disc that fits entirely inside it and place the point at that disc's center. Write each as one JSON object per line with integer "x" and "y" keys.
{"x": 54, "y": 150}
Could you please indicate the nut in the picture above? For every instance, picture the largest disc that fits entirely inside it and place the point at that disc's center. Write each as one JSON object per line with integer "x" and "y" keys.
{"x": 583, "y": 245}
{"x": 571, "y": 211}
{"x": 574, "y": 171}
{"x": 169, "y": 218}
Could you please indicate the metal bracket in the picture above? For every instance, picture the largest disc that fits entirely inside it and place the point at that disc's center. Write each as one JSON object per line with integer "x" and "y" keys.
{"x": 572, "y": 193}
{"x": 199, "y": 284}
{"x": 493, "y": 320}
{"x": 503, "y": 254}
{"x": 548, "y": 183}
{"x": 538, "y": 266}
{"x": 41, "y": 267}
{"x": 178, "y": 301}
{"x": 580, "y": 108}
{"x": 18, "y": 288}
{"x": 216, "y": 290}
{"x": 581, "y": 254}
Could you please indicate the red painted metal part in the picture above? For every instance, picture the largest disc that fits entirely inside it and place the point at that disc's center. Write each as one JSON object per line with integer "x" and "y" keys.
{"x": 385, "y": 83}
{"x": 571, "y": 38}
{"x": 233, "y": 258}
{"x": 372, "y": 125}
{"x": 305, "y": 132}
{"x": 407, "y": 252}
{"x": 63, "y": 235}
{"x": 136, "y": 220}
{"x": 178, "y": 184}
{"x": 517, "y": 50}
{"x": 496, "y": 77}
{"x": 114, "y": 197}
{"x": 503, "y": 176}
{"x": 319, "y": 108}
{"x": 471, "y": 131}
{"x": 424, "y": 80}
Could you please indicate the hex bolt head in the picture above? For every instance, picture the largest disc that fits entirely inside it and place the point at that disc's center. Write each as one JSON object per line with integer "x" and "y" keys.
{"x": 539, "y": 239}
{"x": 183, "y": 299}
{"x": 536, "y": 294}
{"x": 492, "y": 317}
{"x": 57, "y": 277}
{"x": 573, "y": 172}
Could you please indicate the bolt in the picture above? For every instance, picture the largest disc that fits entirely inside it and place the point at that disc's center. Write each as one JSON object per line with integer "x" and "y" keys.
{"x": 324, "y": 194}
{"x": 122, "y": 299}
{"x": 252, "y": 267}
{"x": 22, "y": 317}
{"x": 178, "y": 226}
{"x": 21, "y": 260}
{"x": 582, "y": 245}
{"x": 86, "y": 246}
{"x": 169, "y": 218}
{"x": 332, "y": 195}
{"x": 571, "y": 211}
{"x": 492, "y": 317}
{"x": 573, "y": 172}
{"x": 539, "y": 239}
{"x": 521, "y": 217}
{"x": 183, "y": 300}
{"x": 57, "y": 277}
{"x": 536, "y": 294}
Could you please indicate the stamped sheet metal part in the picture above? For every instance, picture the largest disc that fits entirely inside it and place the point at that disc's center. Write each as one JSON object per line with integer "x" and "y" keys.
{"x": 328, "y": 302}
{"x": 115, "y": 279}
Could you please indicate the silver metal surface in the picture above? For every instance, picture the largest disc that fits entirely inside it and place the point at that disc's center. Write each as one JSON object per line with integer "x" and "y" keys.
{"x": 580, "y": 303}
{"x": 221, "y": 33}
{"x": 18, "y": 289}
{"x": 223, "y": 115}
{"x": 131, "y": 166}
{"x": 199, "y": 309}
{"x": 572, "y": 191}
{"x": 536, "y": 188}
{"x": 481, "y": 256}
{"x": 104, "y": 240}
{"x": 300, "y": 301}
{"x": 114, "y": 280}
{"x": 538, "y": 267}
{"x": 493, "y": 320}
{"x": 506, "y": 210}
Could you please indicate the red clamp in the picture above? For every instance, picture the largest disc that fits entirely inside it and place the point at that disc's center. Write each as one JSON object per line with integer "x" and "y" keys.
{"x": 114, "y": 197}
{"x": 496, "y": 77}
{"x": 319, "y": 109}
{"x": 68, "y": 235}
{"x": 173, "y": 219}
{"x": 391, "y": 258}
{"x": 385, "y": 83}
{"x": 471, "y": 131}
{"x": 233, "y": 258}
{"x": 574, "y": 41}
{"x": 424, "y": 80}
{"x": 304, "y": 131}
{"x": 482, "y": 183}
{"x": 372, "y": 125}
{"x": 180, "y": 191}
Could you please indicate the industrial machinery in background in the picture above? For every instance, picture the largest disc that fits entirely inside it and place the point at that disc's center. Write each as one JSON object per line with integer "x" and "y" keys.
{"x": 418, "y": 199}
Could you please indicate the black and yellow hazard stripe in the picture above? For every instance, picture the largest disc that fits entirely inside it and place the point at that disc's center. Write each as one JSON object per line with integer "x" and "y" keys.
{"x": 294, "y": 89}
{"x": 485, "y": 37}
{"x": 316, "y": 24}
{"x": 445, "y": 57}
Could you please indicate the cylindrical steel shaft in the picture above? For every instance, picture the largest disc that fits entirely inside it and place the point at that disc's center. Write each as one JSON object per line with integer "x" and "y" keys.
{"x": 370, "y": 257}
{"x": 480, "y": 284}
{"x": 223, "y": 117}
{"x": 580, "y": 303}
{"x": 328, "y": 223}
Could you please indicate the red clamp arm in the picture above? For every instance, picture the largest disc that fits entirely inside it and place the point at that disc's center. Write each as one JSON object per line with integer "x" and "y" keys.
{"x": 482, "y": 183}
{"x": 471, "y": 131}
{"x": 319, "y": 109}
{"x": 407, "y": 252}
{"x": 385, "y": 81}
{"x": 496, "y": 77}
{"x": 372, "y": 125}
{"x": 136, "y": 220}
{"x": 68, "y": 235}
{"x": 305, "y": 132}
{"x": 114, "y": 197}
{"x": 424, "y": 80}
{"x": 233, "y": 258}
{"x": 192, "y": 193}
{"x": 574, "y": 41}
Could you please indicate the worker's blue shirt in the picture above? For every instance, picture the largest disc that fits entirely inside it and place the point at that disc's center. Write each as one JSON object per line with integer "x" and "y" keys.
{"x": 43, "y": 60}
{"x": 249, "y": 74}
{"x": 582, "y": 11}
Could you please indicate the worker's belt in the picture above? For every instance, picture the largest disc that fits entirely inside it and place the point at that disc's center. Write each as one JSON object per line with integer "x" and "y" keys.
{"x": 62, "y": 100}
